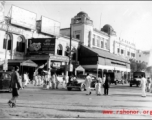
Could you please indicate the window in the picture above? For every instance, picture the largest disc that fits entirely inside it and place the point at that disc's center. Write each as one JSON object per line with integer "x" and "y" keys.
{"x": 132, "y": 54}
{"x": 78, "y": 37}
{"x": 74, "y": 53}
{"x": 128, "y": 53}
{"x": 122, "y": 51}
{"x": 59, "y": 50}
{"x": 9, "y": 44}
{"x": 102, "y": 44}
{"x": 67, "y": 50}
{"x": 106, "y": 45}
{"x": 77, "y": 34}
{"x": 93, "y": 40}
{"x": 118, "y": 50}
{"x": 98, "y": 43}
{"x": 20, "y": 44}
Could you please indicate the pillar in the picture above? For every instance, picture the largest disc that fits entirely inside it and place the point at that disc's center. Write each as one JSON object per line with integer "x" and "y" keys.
{"x": 49, "y": 68}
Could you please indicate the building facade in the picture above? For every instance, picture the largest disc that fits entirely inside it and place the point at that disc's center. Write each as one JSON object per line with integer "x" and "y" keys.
{"x": 124, "y": 49}
{"x": 97, "y": 47}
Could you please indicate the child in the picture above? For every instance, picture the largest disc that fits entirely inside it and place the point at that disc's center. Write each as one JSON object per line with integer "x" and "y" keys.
{"x": 98, "y": 86}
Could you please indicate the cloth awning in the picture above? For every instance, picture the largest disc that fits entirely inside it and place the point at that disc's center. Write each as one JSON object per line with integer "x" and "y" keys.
{"x": 80, "y": 68}
{"x": 29, "y": 63}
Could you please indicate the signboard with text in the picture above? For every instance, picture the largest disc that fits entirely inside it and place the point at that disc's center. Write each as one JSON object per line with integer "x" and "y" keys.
{"x": 50, "y": 26}
{"x": 23, "y": 18}
{"x": 41, "y": 46}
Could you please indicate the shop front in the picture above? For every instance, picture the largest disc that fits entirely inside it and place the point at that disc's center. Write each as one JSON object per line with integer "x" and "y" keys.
{"x": 42, "y": 52}
{"x": 100, "y": 62}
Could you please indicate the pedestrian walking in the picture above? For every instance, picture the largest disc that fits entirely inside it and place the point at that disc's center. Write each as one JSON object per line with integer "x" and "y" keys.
{"x": 148, "y": 84}
{"x": 87, "y": 83}
{"x": 143, "y": 86}
{"x": 15, "y": 85}
{"x": 106, "y": 85}
{"x": 98, "y": 87}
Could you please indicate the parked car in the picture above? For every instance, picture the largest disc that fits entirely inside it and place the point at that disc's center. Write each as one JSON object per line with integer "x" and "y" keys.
{"x": 5, "y": 78}
{"x": 78, "y": 83}
{"x": 135, "y": 79}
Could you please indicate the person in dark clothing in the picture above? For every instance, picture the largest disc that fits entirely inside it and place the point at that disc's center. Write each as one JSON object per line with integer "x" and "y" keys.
{"x": 15, "y": 85}
{"x": 106, "y": 85}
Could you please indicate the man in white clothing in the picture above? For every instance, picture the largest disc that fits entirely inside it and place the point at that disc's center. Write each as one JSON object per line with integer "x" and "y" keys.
{"x": 88, "y": 81}
{"x": 143, "y": 86}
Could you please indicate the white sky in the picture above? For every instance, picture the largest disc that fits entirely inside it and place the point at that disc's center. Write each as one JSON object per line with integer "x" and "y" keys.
{"x": 132, "y": 20}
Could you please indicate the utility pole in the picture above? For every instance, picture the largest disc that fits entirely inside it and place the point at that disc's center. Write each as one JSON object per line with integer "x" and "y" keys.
{"x": 100, "y": 21}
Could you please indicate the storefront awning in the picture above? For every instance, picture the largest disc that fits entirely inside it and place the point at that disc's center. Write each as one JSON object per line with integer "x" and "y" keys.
{"x": 29, "y": 63}
{"x": 80, "y": 68}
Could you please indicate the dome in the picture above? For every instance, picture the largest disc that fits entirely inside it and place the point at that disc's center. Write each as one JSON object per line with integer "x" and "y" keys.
{"x": 82, "y": 14}
{"x": 108, "y": 29}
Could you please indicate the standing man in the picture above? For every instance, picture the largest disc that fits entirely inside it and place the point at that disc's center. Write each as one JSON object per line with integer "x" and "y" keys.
{"x": 15, "y": 85}
{"x": 106, "y": 85}
{"x": 143, "y": 86}
{"x": 87, "y": 83}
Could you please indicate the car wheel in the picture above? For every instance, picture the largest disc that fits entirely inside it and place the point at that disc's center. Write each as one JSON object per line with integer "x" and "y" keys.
{"x": 82, "y": 88}
{"x": 69, "y": 89}
{"x": 137, "y": 85}
{"x": 116, "y": 83}
{"x": 130, "y": 85}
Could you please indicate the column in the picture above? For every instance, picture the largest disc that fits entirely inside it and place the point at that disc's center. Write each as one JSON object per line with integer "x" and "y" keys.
{"x": 49, "y": 68}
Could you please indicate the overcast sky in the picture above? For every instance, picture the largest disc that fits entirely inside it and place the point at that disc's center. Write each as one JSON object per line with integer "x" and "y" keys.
{"x": 132, "y": 20}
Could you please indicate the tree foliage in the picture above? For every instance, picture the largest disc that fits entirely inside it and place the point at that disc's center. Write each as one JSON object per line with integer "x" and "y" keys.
{"x": 136, "y": 66}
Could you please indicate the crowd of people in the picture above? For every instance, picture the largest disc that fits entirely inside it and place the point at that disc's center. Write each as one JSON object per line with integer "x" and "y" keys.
{"x": 53, "y": 82}
{"x": 47, "y": 81}
{"x": 102, "y": 83}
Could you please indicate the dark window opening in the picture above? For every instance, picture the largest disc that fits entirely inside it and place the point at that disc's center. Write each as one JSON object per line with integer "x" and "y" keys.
{"x": 77, "y": 36}
{"x": 118, "y": 50}
{"x": 122, "y": 51}
{"x": 59, "y": 50}
{"x": 9, "y": 44}
{"x": 20, "y": 45}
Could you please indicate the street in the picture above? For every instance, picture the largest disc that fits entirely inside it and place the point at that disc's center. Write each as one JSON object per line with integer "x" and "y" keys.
{"x": 35, "y": 102}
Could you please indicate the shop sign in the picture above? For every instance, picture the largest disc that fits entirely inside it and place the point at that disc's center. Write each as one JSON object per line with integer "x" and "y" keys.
{"x": 41, "y": 46}
{"x": 11, "y": 29}
{"x": 59, "y": 58}
{"x": 56, "y": 64}
{"x": 23, "y": 18}
{"x": 50, "y": 26}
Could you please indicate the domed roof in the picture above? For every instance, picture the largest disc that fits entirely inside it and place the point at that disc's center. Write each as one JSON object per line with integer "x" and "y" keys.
{"x": 82, "y": 14}
{"x": 108, "y": 29}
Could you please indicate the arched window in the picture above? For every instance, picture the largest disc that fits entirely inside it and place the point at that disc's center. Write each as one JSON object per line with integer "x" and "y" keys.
{"x": 67, "y": 50}
{"x": 20, "y": 44}
{"x": 74, "y": 53}
{"x": 9, "y": 44}
{"x": 60, "y": 49}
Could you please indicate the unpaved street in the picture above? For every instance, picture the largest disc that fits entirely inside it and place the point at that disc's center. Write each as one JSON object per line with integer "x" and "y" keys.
{"x": 34, "y": 102}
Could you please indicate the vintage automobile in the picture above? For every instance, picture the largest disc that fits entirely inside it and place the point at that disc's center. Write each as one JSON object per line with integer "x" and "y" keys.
{"x": 78, "y": 83}
{"x": 135, "y": 78}
{"x": 5, "y": 78}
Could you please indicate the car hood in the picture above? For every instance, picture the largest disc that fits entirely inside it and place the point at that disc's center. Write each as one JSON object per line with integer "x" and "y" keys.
{"x": 80, "y": 80}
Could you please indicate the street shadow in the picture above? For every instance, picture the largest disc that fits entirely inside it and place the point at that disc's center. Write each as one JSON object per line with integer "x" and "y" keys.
{"x": 129, "y": 95}
{"x": 135, "y": 100}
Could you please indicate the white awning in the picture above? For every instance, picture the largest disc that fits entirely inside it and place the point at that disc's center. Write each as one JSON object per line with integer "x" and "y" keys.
{"x": 106, "y": 67}
{"x": 80, "y": 68}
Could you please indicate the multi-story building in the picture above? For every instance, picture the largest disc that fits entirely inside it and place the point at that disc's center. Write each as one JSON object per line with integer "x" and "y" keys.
{"x": 97, "y": 46}
{"x": 142, "y": 56}
{"x": 124, "y": 48}
{"x": 17, "y": 48}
